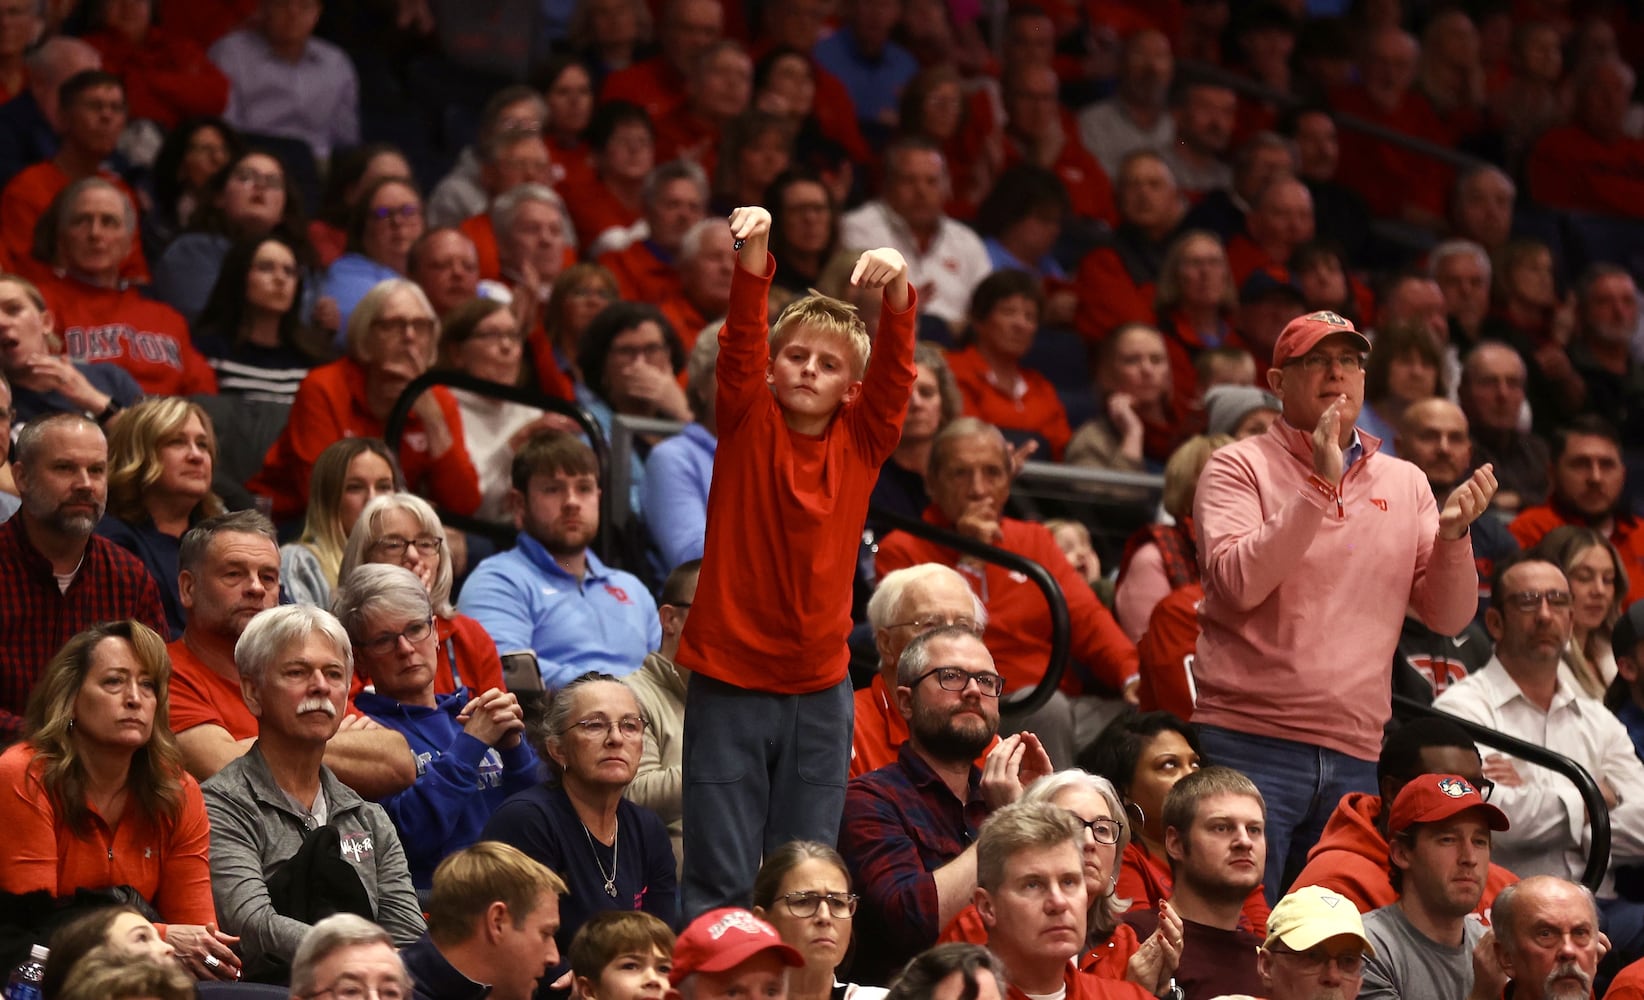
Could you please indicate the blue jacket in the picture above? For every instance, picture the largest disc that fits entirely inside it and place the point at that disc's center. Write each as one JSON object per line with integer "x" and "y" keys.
{"x": 460, "y": 781}
{"x": 677, "y": 476}
{"x": 606, "y": 621}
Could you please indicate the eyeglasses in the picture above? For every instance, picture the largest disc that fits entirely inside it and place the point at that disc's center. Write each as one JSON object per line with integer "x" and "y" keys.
{"x": 1106, "y": 831}
{"x": 1530, "y": 600}
{"x": 256, "y": 178}
{"x": 930, "y": 623}
{"x": 421, "y": 326}
{"x": 353, "y": 989}
{"x": 413, "y": 633}
{"x": 407, "y": 211}
{"x": 655, "y": 353}
{"x": 1312, "y": 962}
{"x": 955, "y": 679}
{"x": 805, "y": 904}
{"x": 631, "y": 727}
{"x": 1485, "y": 787}
{"x": 1317, "y": 364}
{"x": 395, "y": 546}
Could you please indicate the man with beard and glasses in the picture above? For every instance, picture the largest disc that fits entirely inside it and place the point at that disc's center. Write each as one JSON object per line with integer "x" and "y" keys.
{"x": 550, "y": 593}
{"x": 1523, "y": 691}
{"x": 289, "y": 842}
{"x": 1547, "y": 939}
{"x": 909, "y": 828}
{"x": 56, "y": 577}
{"x": 1215, "y": 833}
{"x": 229, "y": 572}
{"x": 1430, "y": 944}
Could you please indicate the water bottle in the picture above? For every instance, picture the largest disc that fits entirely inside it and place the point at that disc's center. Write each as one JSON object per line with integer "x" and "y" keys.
{"x": 25, "y": 980}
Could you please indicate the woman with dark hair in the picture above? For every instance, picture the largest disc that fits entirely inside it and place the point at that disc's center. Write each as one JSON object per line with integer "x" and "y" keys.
{"x": 96, "y": 797}
{"x": 1019, "y": 222}
{"x": 1532, "y": 316}
{"x": 590, "y": 737}
{"x": 384, "y": 223}
{"x": 161, "y": 454}
{"x": 581, "y": 292}
{"x": 804, "y": 891}
{"x": 1004, "y": 319}
{"x": 351, "y": 175}
{"x": 1405, "y": 367}
{"x": 1144, "y": 755}
{"x": 251, "y": 196}
{"x": 630, "y": 359}
{"x": 754, "y": 151}
{"x": 804, "y": 228}
{"x": 180, "y": 179}
{"x": 251, "y": 329}
{"x": 934, "y": 106}
{"x": 568, "y": 88}
{"x": 784, "y": 85}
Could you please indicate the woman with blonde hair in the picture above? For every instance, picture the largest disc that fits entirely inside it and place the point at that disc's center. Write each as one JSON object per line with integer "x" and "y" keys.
{"x": 161, "y": 456}
{"x": 402, "y": 529}
{"x": 1598, "y": 588}
{"x": 348, "y": 475}
{"x": 96, "y": 797}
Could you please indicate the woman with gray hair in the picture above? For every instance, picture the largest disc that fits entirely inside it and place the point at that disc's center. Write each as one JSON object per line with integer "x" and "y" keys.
{"x": 1112, "y": 950}
{"x": 468, "y": 742}
{"x": 401, "y": 529}
{"x": 391, "y": 341}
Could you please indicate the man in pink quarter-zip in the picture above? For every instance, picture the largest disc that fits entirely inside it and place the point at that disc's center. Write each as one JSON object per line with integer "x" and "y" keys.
{"x": 1312, "y": 545}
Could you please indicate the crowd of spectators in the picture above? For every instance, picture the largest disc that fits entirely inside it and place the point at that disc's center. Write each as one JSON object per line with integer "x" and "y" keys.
{"x": 1322, "y": 319}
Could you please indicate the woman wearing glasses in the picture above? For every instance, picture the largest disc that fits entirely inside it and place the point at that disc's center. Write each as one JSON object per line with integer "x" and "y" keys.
{"x": 392, "y": 336}
{"x": 613, "y": 854}
{"x": 803, "y": 891}
{"x": 402, "y": 530}
{"x": 1112, "y": 950}
{"x": 385, "y": 222}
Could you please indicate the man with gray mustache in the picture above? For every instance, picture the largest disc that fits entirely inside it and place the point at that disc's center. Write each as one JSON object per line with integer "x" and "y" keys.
{"x": 289, "y": 842}
{"x": 1547, "y": 938}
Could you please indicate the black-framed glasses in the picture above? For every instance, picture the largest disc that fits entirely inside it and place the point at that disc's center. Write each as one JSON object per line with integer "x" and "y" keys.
{"x": 956, "y": 678}
{"x": 930, "y": 623}
{"x": 1106, "y": 831}
{"x": 1313, "y": 961}
{"x": 1485, "y": 787}
{"x": 395, "y": 546}
{"x": 805, "y": 904}
{"x": 1317, "y": 364}
{"x": 1530, "y": 600}
{"x": 413, "y": 633}
{"x": 631, "y": 727}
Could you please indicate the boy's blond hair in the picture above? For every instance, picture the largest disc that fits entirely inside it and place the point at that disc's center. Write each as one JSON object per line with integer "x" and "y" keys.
{"x": 832, "y": 318}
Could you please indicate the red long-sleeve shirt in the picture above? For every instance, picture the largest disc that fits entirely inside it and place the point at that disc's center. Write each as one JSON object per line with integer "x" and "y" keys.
{"x": 149, "y": 339}
{"x": 167, "y": 77}
{"x": 330, "y": 405}
{"x": 785, "y": 512}
{"x": 27, "y": 197}
{"x": 1018, "y": 633}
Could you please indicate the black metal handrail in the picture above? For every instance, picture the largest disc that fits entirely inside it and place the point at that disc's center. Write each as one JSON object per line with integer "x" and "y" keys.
{"x": 526, "y": 397}
{"x": 1018, "y": 703}
{"x": 1598, "y": 813}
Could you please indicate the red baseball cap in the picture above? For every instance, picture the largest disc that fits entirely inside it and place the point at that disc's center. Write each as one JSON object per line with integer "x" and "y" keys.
{"x": 723, "y": 939}
{"x": 1432, "y": 798}
{"x": 1303, "y": 333}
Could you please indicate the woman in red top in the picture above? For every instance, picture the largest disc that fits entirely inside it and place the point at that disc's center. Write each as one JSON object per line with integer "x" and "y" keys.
{"x": 402, "y": 530}
{"x": 1004, "y": 319}
{"x": 96, "y": 796}
{"x": 392, "y": 335}
{"x": 1112, "y": 950}
{"x": 1144, "y": 755}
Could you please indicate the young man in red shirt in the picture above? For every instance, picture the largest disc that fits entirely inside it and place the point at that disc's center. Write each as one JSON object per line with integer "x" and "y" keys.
{"x": 804, "y": 424}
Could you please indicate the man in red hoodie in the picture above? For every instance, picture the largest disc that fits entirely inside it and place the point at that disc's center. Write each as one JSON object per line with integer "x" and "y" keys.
{"x": 1352, "y": 856}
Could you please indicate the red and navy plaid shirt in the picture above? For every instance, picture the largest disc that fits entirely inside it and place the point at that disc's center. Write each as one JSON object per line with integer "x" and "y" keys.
{"x": 901, "y": 823}
{"x": 36, "y": 618}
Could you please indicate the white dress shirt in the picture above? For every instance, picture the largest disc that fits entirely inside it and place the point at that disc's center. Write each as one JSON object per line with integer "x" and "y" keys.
{"x": 945, "y": 273}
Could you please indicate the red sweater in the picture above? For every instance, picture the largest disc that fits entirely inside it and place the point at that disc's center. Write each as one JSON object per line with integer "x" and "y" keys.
{"x": 641, "y": 275}
{"x": 330, "y": 405}
{"x": 1037, "y": 410}
{"x": 1018, "y": 633}
{"x": 1571, "y": 168}
{"x": 149, "y": 339}
{"x": 1351, "y": 858}
{"x": 27, "y": 197}
{"x": 652, "y": 84}
{"x": 166, "y": 862}
{"x": 167, "y": 77}
{"x": 1167, "y": 649}
{"x": 785, "y": 513}
{"x": 1108, "y": 296}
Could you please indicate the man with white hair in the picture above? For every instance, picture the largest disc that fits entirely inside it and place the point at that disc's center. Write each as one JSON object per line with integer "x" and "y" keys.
{"x": 907, "y": 603}
{"x": 707, "y": 259}
{"x": 1462, "y": 269}
{"x": 674, "y": 199}
{"x": 1547, "y": 938}
{"x": 532, "y": 232}
{"x": 345, "y": 953}
{"x": 287, "y": 838}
